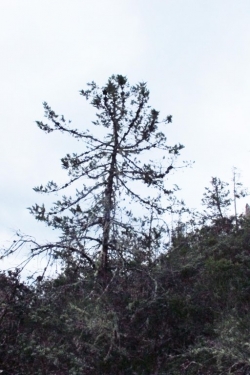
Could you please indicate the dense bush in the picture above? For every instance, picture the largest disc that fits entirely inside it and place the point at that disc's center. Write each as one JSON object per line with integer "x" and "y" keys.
{"x": 188, "y": 311}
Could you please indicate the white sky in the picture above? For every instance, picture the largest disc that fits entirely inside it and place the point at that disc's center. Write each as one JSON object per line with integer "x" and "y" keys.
{"x": 194, "y": 55}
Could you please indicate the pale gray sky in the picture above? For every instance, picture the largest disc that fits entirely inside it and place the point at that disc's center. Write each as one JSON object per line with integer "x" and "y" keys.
{"x": 194, "y": 55}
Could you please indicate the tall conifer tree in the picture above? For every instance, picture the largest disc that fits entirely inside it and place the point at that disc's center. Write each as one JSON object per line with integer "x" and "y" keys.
{"x": 113, "y": 170}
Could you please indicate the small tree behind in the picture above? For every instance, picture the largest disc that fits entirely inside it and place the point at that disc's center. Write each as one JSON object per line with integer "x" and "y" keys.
{"x": 217, "y": 199}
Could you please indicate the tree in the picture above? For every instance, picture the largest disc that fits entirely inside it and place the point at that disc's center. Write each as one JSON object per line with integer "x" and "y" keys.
{"x": 217, "y": 199}
{"x": 119, "y": 172}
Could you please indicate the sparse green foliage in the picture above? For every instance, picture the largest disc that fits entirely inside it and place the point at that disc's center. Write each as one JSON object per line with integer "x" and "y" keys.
{"x": 96, "y": 226}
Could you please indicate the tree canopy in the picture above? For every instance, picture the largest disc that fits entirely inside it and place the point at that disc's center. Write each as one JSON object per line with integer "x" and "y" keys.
{"x": 116, "y": 176}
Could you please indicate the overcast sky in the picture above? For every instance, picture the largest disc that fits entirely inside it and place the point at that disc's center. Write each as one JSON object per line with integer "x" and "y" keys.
{"x": 193, "y": 54}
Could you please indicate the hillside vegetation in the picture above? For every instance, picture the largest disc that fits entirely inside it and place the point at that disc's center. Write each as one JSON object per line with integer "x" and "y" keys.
{"x": 131, "y": 296}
